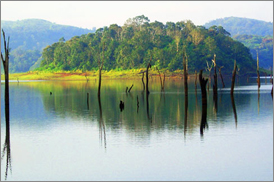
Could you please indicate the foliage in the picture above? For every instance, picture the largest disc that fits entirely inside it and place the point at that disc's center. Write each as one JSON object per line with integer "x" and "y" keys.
{"x": 264, "y": 46}
{"x": 139, "y": 42}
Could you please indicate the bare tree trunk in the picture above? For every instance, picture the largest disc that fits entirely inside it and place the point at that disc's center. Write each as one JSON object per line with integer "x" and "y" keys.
{"x": 99, "y": 86}
{"x": 203, "y": 83}
{"x": 221, "y": 76}
{"x": 100, "y": 71}
{"x": 6, "y": 70}
{"x": 143, "y": 81}
{"x": 195, "y": 80}
{"x": 7, "y": 105}
{"x": 148, "y": 66}
{"x": 258, "y": 74}
{"x": 233, "y": 78}
{"x": 185, "y": 76}
{"x": 160, "y": 79}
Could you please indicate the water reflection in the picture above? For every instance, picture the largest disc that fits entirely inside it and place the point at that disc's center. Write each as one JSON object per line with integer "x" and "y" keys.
{"x": 102, "y": 129}
{"x": 6, "y": 148}
{"x": 234, "y": 109}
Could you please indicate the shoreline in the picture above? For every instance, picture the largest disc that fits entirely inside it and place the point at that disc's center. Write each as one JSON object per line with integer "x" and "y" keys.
{"x": 109, "y": 75}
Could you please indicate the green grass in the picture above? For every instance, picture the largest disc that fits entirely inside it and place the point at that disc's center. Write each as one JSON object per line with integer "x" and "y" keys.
{"x": 91, "y": 75}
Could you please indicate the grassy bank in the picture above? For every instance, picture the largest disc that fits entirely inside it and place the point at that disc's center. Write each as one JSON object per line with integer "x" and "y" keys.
{"x": 112, "y": 74}
{"x": 91, "y": 75}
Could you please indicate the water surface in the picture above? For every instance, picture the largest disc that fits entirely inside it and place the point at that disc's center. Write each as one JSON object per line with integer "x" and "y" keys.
{"x": 64, "y": 136}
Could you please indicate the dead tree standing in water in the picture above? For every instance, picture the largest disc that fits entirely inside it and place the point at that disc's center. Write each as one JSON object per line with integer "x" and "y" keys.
{"x": 221, "y": 76}
{"x": 5, "y": 62}
{"x": 162, "y": 82}
{"x": 203, "y": 83}
{"x": 148, "y": 66}
{"x": 185, "y": 74}
{"x": 233, "y": 78}
{"x": 258, "y": 74}
{"x": 215, "y": 85}
{"x": 100, "y": 65}
{"x": 209, "y": 77}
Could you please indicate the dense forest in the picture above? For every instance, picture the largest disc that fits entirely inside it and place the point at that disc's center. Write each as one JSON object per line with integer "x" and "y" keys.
{"x": 255, "y": 34}
{"x": 140, "y": 41}
{"x": 264, "y": 46}
{"x": 29, "y": 37}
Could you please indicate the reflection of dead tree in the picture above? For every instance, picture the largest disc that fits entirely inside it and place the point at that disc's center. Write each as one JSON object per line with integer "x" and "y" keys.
{"x": 88, "y": 100}
{"x": 186, "y": 108}
{"x": 162, "y": 82}
{"x": 130, "y": 88}
{"x": 195, "y": 81}
{"x": 137, "y": 104}
{"x": 101, "y": 124}
{"x": 6, "y": 148}
{"x": 234, "y": 108}
{"x": 203, "y": 83}
{"x": 86, "y": 76}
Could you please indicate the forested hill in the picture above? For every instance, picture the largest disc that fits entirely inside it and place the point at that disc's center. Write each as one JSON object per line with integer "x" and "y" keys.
{"x": 236, "y": 26}
{"x": 140, "y": 41}
{"x": 29, "y": 37}
{"x": 255, "y": 34}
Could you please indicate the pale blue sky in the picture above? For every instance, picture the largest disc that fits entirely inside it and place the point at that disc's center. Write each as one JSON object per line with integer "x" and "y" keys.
{"x": 89, "y": 14}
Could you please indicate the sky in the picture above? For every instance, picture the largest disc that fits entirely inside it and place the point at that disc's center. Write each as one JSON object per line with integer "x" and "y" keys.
{"x": 89, "y": 14}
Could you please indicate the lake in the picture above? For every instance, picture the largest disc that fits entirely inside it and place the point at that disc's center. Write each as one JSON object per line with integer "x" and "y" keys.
{"x": 65, "y": 136}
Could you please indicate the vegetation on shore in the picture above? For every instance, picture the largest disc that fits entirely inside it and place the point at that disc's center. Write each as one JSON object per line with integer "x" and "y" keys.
{"x": 140, "y": 42}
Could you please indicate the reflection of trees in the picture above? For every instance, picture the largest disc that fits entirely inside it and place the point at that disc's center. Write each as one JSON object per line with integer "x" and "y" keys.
{"x": 69, "y": 99}
{"x": 6, "y": 148}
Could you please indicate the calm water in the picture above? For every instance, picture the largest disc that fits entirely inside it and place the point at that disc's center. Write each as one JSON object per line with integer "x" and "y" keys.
{"x": 65, "y": 137}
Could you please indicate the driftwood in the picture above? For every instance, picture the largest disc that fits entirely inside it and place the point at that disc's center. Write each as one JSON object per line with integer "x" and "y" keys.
{"x": 233, "y": 78}
{"x": 126, "y": 89}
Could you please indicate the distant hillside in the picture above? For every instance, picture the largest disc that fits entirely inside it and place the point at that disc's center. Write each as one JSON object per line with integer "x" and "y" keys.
{"x": 255, "y": 34}
{"x": 29, "y": 37}
{"x": 235, "y": 25}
